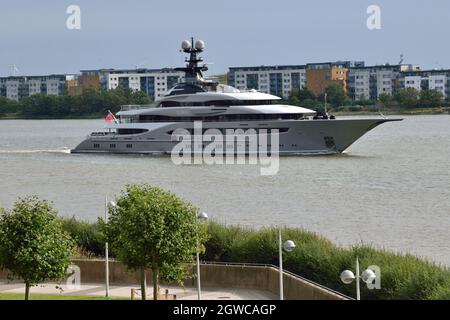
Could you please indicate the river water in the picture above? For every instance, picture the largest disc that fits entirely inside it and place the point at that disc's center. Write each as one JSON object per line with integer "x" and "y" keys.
{"x": 390, "y": 189}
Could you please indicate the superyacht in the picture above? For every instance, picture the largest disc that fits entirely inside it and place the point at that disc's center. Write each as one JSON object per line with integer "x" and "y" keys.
{"x": 149, "y": 129}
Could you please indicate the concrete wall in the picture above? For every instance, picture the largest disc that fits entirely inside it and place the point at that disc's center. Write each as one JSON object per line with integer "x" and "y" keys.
{"x": 263, "y": 278}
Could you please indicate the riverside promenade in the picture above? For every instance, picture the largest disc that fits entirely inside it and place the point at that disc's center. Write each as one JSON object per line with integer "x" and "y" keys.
{"x": 124, "y": 291}
{"x": 219, "y": 281}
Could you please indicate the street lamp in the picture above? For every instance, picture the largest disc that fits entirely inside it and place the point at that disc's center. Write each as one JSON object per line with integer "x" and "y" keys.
{"x": 367, "y": 276}
{"x": 202, "y": 216}
{"x": 288, "y": 246}
{"x": 112, "y": 205}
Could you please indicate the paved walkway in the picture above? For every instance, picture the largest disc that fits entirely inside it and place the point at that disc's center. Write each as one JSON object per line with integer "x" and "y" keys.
{"x": 124, "y": 291}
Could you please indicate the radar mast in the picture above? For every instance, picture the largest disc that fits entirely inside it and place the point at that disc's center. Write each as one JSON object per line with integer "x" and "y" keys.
{"x": 194, "y": 72}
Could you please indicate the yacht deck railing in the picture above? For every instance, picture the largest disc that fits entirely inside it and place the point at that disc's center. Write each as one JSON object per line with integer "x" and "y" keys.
{"x": 136, "y": 107}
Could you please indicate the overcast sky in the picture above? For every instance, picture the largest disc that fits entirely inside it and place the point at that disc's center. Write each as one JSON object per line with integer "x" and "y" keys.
{"x": 148, "y": 33}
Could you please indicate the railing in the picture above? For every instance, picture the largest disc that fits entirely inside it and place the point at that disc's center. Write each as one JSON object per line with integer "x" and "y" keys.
{"x": 101, "y": 134}
{"x": 136, "y": 107}
{"x": 277, "y": 267}
{"x": 261, "y": 265}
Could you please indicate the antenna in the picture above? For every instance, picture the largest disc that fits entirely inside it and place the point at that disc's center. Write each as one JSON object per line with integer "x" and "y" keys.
{"x": 14, "y": 70}
{"x": 401, "y": 58}
{"x": 140, "y": 64}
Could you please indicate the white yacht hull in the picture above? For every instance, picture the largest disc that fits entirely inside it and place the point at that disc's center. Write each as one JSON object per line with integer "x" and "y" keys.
{"x": 297, "y": 137}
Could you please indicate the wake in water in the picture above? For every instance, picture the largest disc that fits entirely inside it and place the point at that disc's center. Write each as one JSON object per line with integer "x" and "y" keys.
{"x": 31, "y": 151}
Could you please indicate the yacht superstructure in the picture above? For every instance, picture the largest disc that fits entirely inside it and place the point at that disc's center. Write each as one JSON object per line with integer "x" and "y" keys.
{"x": 149, "y": 129}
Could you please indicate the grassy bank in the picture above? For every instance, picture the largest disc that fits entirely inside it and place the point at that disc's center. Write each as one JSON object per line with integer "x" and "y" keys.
{"x": 316, "y": 258}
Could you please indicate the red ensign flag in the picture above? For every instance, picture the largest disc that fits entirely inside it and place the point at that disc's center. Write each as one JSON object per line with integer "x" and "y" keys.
{"x": 109, "y": 117}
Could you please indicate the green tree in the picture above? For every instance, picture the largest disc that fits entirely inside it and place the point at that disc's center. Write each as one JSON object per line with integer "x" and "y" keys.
{"x": 408, "y": 97}
{"x": 154, "y": 229}
{"x": 336, "y": 96}
{"x": 312, "y": 104}
{"x": 8, "y": 106}
{"x": 362, "y": 100}
{"x": 294, "y": 97}
{"x": 430, "y": 98}
{"x": 40, "y": 105}
{"x": 304, "y": 94}
{"x": 384, "y": 98}
{"x": 93, "y": 100}
{"x": 33, "y": 245}
{"x": 140, "y": 97}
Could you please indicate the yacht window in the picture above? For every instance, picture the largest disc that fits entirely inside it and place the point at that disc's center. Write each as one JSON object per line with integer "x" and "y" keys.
{"x": 112, "y": 145}
{"x": 131, "y": 131}
{"x": 96, "y": 145}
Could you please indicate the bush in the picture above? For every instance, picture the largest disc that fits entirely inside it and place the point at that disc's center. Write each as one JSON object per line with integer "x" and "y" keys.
{"x": 355, "y": 108}
{"x": 88, "y": 237}
{"x": 317, "y": 259}
{"x": 8, "y": 106}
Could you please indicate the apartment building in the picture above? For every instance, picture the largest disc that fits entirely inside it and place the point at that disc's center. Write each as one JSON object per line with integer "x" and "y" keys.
{"x": 19, "y": 87}
{"x": 427, "y": 79}
{"x": 321, "y": 75}
{"x": 276, "y": 80}
{"x": 154, "y": 82}
{"x": 369, "y": 82}
{"x": 281, "y": 79}
{"x": 81, "y": 83}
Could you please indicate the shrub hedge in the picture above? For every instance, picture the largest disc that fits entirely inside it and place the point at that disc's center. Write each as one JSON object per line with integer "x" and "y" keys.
{"x": 403, "y": 276}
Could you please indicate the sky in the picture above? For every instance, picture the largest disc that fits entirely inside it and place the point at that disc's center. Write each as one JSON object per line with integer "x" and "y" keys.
{"x": 148, "y": 33}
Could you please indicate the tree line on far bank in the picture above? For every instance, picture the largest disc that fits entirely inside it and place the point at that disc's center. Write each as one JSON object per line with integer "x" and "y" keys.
{"x": 337, "y": 99}
{"x": 97, "y": 103}
{"x": 91, "y": 103}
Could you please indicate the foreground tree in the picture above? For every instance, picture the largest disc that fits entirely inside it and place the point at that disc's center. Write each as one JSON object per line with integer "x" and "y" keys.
{"x": 33, "y": 245}
{"x": 150, "y": 228}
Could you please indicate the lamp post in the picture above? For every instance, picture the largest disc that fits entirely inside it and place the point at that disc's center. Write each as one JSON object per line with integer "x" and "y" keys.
{"x": 288, "y": 245}
{"x": 113, "y": 205}
{"x": 201, "y": 216}
{"x": 367, "y": 276}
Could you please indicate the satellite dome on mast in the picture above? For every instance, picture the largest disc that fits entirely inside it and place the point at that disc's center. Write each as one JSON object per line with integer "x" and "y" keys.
{"x": 200, "y": 45}
{"x": 193, "y": 70}
{"x": 185, "y": 45}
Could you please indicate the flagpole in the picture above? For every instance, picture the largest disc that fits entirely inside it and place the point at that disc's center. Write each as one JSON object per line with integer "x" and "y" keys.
{"x": 114, "y": 117}
{"x": 106, "y": 253}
